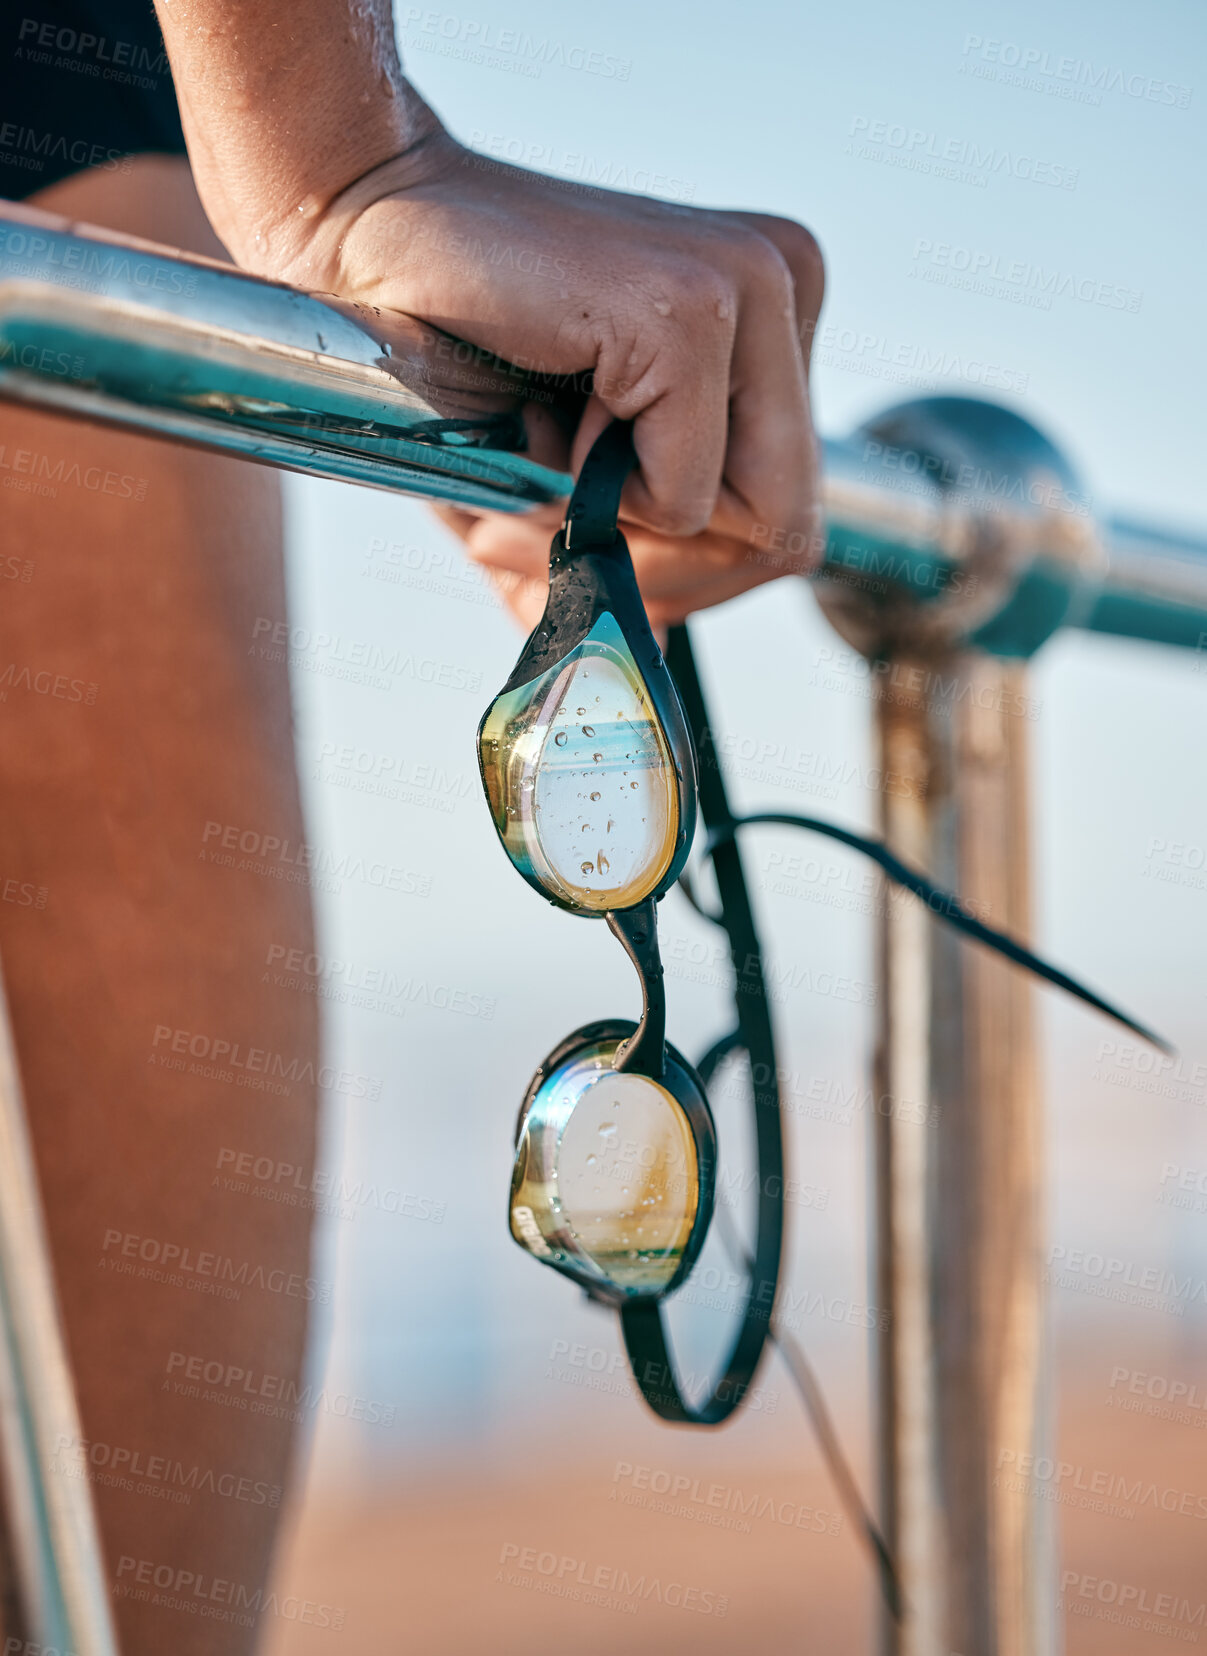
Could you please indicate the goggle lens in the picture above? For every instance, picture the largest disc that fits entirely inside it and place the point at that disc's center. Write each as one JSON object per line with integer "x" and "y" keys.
{"x": 580, "y": 778}
{"x": 606, "y": 1178}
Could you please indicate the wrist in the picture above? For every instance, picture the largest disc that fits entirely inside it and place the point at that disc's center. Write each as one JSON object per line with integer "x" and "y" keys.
{"x": 325, "y": 248}
{"x": 276, "y": 215}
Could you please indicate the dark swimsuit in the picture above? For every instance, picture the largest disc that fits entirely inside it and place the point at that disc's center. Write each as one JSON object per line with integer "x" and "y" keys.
{"x": 83, "y": 83}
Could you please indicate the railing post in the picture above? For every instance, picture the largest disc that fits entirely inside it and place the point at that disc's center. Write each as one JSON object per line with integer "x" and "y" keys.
{"x": 958, "y": 1164}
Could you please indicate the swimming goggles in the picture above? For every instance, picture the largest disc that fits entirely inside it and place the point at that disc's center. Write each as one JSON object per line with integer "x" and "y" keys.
{"x": 596, "y": 763}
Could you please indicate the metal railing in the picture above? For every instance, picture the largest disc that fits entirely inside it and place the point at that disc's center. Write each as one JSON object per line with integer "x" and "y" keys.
{"x": 957, "y": 541}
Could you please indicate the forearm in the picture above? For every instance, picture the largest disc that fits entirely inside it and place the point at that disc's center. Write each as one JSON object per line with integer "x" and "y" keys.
{"x": 284, "y": 105}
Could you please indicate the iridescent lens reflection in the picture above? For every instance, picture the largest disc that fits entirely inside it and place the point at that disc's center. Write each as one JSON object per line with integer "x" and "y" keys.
{"x": 580, "y": 777}
{"x": 606, "y": 1177}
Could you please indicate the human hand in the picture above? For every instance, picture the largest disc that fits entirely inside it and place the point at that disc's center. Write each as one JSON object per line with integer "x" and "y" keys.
{"x": 694, "y": 324}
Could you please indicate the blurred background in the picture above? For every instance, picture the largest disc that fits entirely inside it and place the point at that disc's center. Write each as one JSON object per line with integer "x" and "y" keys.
{"x": 464, "y": 1406}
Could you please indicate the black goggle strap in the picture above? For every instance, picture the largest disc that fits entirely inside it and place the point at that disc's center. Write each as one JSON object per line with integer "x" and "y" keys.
{"x": 942, "y": 904}
{"x": 595, "y": 504}
{"x": 641, "y": 1320}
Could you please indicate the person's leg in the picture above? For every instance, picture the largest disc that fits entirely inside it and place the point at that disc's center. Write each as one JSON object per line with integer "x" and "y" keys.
{"x": 142, "y": 735}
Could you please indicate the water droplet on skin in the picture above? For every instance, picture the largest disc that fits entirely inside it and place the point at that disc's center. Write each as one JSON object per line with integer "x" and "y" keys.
{"x": 561, "y": 738}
